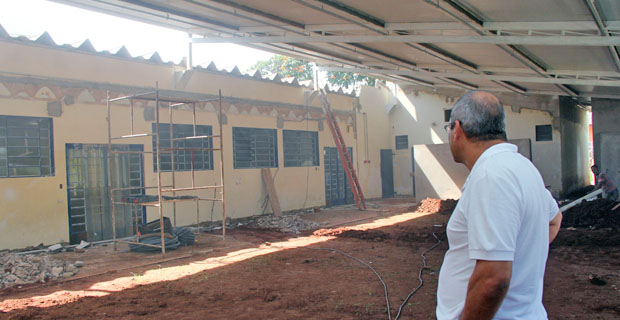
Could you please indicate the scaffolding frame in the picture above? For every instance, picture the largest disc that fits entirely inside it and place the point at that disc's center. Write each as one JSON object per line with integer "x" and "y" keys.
{"x": 173, "y": 103}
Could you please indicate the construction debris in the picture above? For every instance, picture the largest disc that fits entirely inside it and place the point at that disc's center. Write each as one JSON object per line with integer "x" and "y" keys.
{"x": 83, "y": 245}
{"x": 293, "y": 223}
{"x": 55, "y": 248}
{"x": 592, "y": 214}
{"x": 25, "y": 269}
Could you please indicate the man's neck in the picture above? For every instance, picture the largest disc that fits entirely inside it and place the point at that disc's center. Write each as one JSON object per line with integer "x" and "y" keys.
{"x": 476, "y": 149}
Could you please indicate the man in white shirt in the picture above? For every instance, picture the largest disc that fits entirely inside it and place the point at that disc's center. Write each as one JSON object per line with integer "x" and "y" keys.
{"x": 500, "y": 230}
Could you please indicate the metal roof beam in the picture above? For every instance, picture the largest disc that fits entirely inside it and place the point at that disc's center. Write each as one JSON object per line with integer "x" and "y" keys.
{"x": 542, "y": 26}
{"x": 595, "y": 41}
{"x": 491, "y": 77}
{"x": 354, "y": 12}
{"x": 476, "y": 23}
{"x": 596, "y": 15}
{"x": 258, "y": 13}
{"x": 157, "y": 18}
{"x": 353, "y": 20}
{"x": 427, "y": 48}
{"x": 180, "y": 13}
{"x": 422, "y": 26}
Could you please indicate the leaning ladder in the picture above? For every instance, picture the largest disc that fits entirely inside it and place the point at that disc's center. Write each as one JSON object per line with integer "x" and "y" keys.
{"x": 342, "y": 151}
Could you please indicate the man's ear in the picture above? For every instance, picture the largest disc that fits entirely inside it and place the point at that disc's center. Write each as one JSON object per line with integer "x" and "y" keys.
{"x": 457, "y": 131}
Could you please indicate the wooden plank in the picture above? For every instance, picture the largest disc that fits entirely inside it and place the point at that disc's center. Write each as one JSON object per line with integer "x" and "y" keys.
{"x": 271, "y": 189}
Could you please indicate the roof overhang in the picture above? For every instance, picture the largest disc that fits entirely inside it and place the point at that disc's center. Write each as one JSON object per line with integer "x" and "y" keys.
{"x": 526, "y": 47}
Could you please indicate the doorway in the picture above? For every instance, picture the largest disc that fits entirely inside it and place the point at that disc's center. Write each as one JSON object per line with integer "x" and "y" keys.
{"x": 87, "y": 191}
{"x": 337, "y": 189}
{"x": 387, "y": 173}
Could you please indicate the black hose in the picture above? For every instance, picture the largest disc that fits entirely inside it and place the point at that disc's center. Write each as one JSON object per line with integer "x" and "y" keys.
{"x": 385, "y": 289}
{"x": 402, "y": 305}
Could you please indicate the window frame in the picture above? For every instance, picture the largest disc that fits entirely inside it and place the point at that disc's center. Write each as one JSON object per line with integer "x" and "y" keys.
{"x": 182, "y": 159}
{"x": 541, "y": 133}
{"x": 297, "y": 148}
{"x": 6, "y": 141}
{"x": 396, "y": 142}
{"x": 242, "y": 136}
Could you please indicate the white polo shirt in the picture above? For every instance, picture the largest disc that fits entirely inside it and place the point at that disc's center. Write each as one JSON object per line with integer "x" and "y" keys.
{"x": 503, "y": 215}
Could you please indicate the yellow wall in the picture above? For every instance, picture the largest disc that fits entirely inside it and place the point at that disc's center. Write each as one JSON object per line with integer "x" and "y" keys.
{"x": 373, "y": 101}
{"x": 33, "y": 75}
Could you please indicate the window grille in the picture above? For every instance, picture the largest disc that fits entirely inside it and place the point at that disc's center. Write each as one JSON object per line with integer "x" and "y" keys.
{"x": 26, "y": 148}
{"x": 254, "y": 148}
{"x": 301, "y": 148}
{"x": 195, "y": 148}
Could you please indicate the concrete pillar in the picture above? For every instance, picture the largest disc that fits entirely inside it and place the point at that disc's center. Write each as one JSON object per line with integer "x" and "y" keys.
{"x": 606, "y": 132}
{"x": 574, "y": 131}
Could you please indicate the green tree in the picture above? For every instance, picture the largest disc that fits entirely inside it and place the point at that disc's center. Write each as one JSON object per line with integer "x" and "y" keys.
{"x": 285, "y": 67}
{"x": 347, "y": 79}
{"x": 303, "y": 70}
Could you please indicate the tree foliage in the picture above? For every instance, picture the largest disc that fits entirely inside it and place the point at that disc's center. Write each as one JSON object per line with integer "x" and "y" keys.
{"x": 303, "y": 70}
{"x": 286, "y": 67}
{"x": 347, "y": 79}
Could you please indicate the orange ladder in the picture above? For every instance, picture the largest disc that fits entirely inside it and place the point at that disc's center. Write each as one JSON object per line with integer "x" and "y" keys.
{"x": 342, "y": 151}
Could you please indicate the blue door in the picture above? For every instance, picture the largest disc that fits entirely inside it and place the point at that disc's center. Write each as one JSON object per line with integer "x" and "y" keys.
{"x": 337, "y": 189}
{"x": 387, "y": 173}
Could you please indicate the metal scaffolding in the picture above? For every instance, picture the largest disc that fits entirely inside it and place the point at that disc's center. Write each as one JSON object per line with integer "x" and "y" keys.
{"x": 160, "y": 199}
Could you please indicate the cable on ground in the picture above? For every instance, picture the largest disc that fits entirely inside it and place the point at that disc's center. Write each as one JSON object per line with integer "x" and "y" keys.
{"x": 387, "y": 301}
{"x": 402, "y": 305}
{"x": 385, "y": 288}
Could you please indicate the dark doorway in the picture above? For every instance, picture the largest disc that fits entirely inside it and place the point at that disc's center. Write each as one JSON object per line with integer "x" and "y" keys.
{"x": 387, "y": 173}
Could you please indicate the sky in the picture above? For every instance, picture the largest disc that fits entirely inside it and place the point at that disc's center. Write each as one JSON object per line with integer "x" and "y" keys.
{"x": 70, "y": 25}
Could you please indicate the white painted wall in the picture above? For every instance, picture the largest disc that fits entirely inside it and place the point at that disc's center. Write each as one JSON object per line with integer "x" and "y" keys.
{"x": 421, "y": 116}
{"x": 546, "y": 155}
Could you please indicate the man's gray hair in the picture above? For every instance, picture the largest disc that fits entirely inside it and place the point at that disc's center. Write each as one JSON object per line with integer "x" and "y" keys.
{"x": 481, "y": 117}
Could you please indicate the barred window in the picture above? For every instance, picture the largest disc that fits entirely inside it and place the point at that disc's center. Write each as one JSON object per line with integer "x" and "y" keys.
{"x": 26, "y": 148}
{"x": 254, "y": 148}
{"x": 402, "y": 142}
{"x": 188, "y": 151}
{"x": 301, "y": 148}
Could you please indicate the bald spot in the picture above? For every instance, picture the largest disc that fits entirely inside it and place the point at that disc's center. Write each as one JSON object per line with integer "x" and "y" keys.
{"x": 486, "y": 100}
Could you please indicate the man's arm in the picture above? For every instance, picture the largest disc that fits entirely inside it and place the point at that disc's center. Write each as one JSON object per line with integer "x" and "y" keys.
{"x": 487, "y": 288}
{"x": 554, "y": 226}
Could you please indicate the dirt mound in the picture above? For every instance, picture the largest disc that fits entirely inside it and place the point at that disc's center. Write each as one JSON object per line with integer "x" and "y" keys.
{"x": 444, "y": 207}
{"x": 587, "y": 238}
{"x": 576, "y": 194}
{"x": 592, "y": 214}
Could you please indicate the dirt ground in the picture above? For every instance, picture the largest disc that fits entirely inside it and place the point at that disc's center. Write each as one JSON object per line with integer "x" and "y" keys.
{"x": 325, "y": 274}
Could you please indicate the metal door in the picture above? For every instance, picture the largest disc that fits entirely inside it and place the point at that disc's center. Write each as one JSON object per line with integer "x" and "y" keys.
{"x": 87, "y": 191}
{"x": 337, "y": 189}
{"x": 387, "y": 173}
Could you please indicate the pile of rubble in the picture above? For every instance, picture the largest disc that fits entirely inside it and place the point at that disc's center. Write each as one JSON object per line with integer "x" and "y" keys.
{"x": 18, "y": 270}
{"x": 292, "y": 223}
{"x": 431, "y": 205}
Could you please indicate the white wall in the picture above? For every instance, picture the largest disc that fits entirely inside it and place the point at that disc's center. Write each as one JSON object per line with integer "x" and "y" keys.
{"x": 420, "y": 115}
